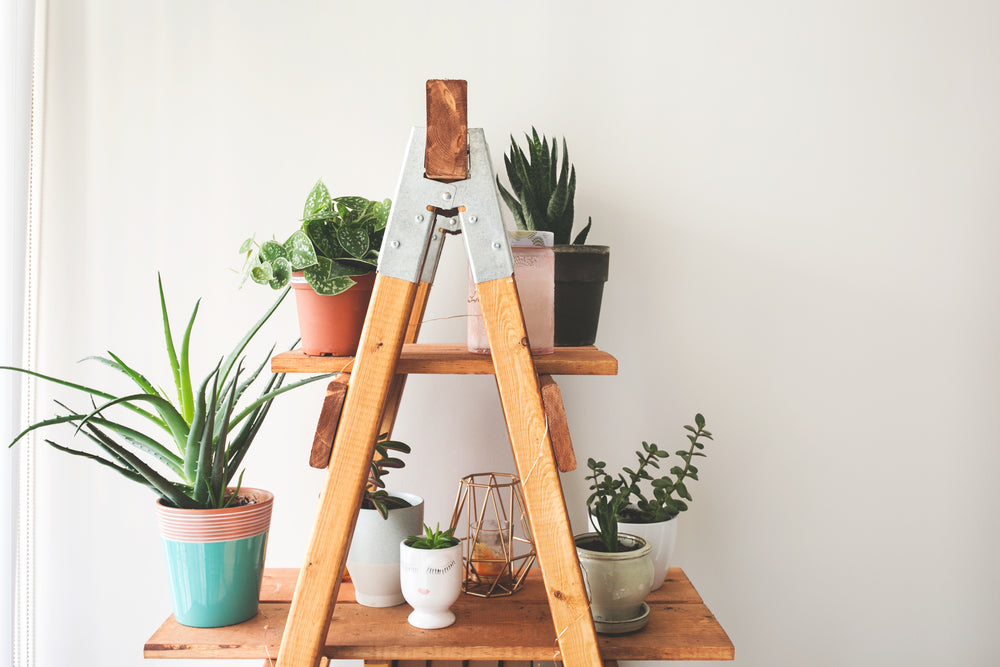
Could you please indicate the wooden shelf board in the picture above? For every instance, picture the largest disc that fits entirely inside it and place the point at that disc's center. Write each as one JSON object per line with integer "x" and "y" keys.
{"x": 518, "y": 627}
{"x": 455, "y": 359}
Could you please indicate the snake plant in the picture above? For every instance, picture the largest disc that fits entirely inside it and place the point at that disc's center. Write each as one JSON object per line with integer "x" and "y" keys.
{"x": 543, "y": 188}
{"x": 339, "y": 238}
{"x": 195, "y": 441}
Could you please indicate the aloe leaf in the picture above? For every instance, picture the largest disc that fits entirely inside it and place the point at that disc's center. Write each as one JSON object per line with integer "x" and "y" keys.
{"x": 129, "y": 474}
{"x": 116, "y": 363}
{"x": 187, "y": 397}
{"x": 63, "y": 419}
{"x": 141, "y": 441}
{"x": 165, "y": 487}
{"x": 300, "y": 251}
{"x": 176, "y": 426}
{"x": 197, "y": 430}
{"x": 201, "y": 477}
{"x": 227, "y": 364}
{"x": 217, "y": 483}
{"x": 169, "y": 340}
{"x": 277, "y": 392}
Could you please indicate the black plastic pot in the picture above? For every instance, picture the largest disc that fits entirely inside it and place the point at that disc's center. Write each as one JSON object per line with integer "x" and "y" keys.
{"x": 581, "y": 271}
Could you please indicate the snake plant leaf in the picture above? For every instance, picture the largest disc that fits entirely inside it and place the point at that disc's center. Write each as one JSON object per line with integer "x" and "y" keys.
{"x": 581, "y": 238}
{"x": 354, "y": 240}
{"x": 514, "y": 205}
{"x": 299, "y": 249}
{"x": 317, "y": 201}
{"x": 281, "y": 272}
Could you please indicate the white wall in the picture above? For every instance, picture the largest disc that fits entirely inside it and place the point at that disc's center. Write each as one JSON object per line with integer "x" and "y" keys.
{"x": 802, "y": 204}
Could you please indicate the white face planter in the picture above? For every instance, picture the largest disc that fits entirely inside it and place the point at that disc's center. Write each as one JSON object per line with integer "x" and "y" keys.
{"x": 431, "y": 580}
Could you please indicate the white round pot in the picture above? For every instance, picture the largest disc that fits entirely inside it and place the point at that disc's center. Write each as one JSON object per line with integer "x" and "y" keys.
{"x": 431, "y": 580}
{"x": 662, "y": 538}
{"x": 373, "y": 559}
{"x": 617, "y": 583}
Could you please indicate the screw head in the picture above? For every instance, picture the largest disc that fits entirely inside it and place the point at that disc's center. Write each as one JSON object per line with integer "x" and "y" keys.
{"x": 473, "y": 218}
{"x": 395, "y": 244}
{"x": 419, "y": 218}
{"x": 452, "y": 222}
{"x": 446, "y": 196}
{"x": 496, "y": 245}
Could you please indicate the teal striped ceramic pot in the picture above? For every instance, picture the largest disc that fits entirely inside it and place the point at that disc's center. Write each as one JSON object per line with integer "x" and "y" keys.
{"x": 215, "y": 559}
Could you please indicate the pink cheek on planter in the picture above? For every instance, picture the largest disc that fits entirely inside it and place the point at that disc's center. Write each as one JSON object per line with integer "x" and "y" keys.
{"x": 423, "y": 591}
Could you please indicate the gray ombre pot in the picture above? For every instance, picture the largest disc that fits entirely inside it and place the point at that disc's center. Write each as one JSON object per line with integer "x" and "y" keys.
{"x": 373, "y": 560}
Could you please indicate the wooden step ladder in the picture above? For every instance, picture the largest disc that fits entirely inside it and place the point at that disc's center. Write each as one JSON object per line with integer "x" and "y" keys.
{"x": 446, "y": 176}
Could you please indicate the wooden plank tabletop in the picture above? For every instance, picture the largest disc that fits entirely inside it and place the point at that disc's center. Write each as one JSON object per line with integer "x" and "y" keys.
{"x": 518, "y": 627}
{"x": 420, "y": 358}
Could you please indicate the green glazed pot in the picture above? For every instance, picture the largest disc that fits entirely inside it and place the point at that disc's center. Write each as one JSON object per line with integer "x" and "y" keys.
{"x": 215, "y": 559}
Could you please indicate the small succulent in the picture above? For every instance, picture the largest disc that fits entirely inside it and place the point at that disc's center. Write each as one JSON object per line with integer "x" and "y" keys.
{"x": 621, "y": 498}
{"x": 376, "y": 497}
{"x": 433, "y": 539}
{"x": 543, "y": 189}
{"x": 339, "y": 238}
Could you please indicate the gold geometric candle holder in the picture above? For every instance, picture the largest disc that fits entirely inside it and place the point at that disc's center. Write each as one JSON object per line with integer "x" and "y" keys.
{"x": 497, "y": 547}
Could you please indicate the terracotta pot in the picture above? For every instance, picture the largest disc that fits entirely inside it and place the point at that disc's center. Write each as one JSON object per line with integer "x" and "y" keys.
{"x": 331, "y": 325}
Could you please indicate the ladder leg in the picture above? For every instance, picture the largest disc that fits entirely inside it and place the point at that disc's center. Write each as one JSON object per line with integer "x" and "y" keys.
{"x": 373, "y": 371}
{"x": 399, "y": 382}
{"x": 536, "y": 466}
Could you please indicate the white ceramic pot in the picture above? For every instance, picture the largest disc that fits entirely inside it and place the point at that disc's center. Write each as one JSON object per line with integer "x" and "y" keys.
{"x": 373, "y": 560}
{"x": 617, "y": 583}
{"x": 662, "y": 538}
{"x": 431, "y": 580}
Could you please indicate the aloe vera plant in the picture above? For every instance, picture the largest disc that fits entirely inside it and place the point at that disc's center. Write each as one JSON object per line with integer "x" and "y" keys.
{"x": 543, "y": 188}
{"x": 201, "y": 435}
{"x": 339, "y": 238}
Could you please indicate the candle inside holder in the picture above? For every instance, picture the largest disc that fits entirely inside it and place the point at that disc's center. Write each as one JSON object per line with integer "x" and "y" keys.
{"x": 490, "y": 551}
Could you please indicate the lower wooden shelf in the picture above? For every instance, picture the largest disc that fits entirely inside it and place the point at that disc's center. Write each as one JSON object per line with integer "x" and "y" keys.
{"x": 518, "y": 627}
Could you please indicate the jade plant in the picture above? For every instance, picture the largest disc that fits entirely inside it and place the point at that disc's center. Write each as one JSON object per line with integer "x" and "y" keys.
{"x": 376, "y": 497}
{"x": 543, "y": 188}
{"x": 622, "y": 498}
{"x": 432, "y": 539}
{"x": 339, "y": 239}
{"x": 186, "y": 447}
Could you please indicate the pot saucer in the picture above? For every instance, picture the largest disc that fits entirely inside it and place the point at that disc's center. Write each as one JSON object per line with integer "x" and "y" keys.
{"x": 621, "y": 627}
